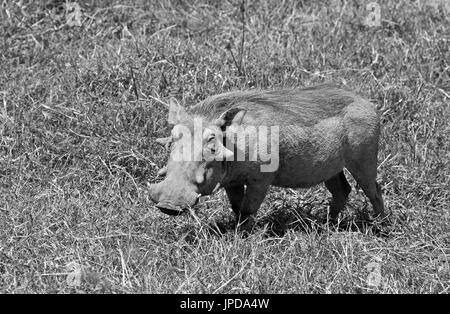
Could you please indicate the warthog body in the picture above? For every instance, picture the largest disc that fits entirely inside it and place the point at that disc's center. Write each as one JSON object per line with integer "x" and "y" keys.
{"x": 322, "y": 130}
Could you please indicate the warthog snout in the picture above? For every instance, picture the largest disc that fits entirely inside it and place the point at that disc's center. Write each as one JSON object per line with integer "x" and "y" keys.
{"x": 172, "y": 200}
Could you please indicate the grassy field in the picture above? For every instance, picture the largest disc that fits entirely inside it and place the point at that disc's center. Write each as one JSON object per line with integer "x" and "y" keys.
{"x": 81, "y": 107}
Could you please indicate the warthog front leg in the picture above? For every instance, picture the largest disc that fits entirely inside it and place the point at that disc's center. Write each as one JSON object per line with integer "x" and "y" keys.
{"x": 245, "y": 202}
{"x": 235, "y": 195}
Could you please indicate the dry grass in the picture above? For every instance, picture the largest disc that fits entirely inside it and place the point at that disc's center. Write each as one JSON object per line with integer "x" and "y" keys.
{"x": 80, "y": 110}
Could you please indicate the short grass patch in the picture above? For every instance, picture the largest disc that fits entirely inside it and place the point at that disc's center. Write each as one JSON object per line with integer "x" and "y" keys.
{"x": 81, "y": 107}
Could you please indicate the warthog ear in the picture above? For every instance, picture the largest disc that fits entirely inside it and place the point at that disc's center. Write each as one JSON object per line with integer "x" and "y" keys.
{"x": 232, "y": 117}
{"x": 177, "y": 113}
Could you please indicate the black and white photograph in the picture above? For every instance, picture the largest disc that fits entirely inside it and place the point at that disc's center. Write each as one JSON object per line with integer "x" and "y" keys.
{"x": 225, "y": 153}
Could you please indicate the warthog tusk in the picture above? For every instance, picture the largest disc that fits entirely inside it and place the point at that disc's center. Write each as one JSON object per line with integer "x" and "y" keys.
{"x": 216, "y": 188}
{"x": 161, "y": 172}
{"x": 164, "y": 141}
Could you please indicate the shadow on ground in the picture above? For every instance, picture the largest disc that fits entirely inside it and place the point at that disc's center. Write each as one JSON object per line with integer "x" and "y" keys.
{"x": 277, "y": 222}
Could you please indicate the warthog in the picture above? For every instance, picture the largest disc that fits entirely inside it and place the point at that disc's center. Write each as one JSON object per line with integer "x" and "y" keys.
{"x": 319, "y": 131}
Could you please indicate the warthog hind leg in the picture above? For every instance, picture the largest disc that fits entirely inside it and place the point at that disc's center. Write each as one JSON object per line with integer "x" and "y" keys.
{"x": 365, "y": 175}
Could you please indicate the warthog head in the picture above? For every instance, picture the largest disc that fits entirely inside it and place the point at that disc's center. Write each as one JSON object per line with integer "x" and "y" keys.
{"x": 196, "y": 164}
